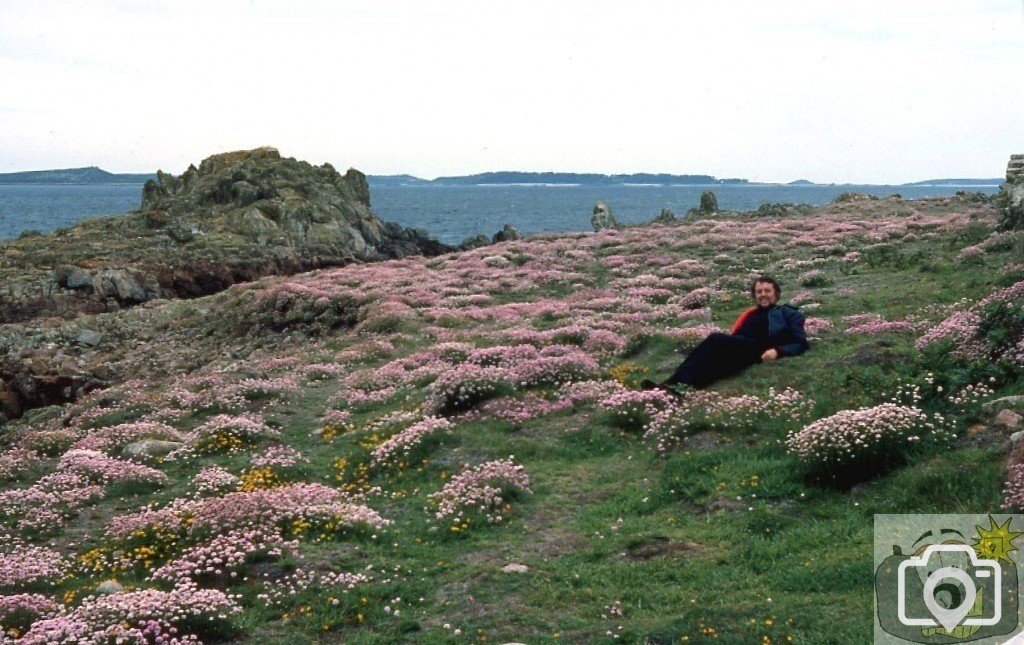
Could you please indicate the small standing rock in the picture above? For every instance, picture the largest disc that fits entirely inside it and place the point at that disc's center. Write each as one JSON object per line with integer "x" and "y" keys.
{"x": 89, "y": 337}
{"x": 515, "y": 568}
{"x": 475, "y": 242}
{"x": 708, "y": 203}
{"x": 508, "y": 233}
{"x": 602, "y": 217}
{"x": 665, "y": 216}
{"x": 109, "y": 588}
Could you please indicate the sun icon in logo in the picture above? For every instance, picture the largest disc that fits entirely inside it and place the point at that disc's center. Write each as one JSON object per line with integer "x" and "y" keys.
{"x": 996, "y": 542}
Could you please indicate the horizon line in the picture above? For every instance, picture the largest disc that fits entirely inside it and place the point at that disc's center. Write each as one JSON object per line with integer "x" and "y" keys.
{"x": 576, "y": 172}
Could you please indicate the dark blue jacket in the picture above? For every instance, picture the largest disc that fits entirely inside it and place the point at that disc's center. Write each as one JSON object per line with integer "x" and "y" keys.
{"x": 785, "y": 329}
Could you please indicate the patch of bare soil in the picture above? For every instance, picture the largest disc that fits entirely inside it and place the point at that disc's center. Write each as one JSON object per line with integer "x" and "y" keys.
{"x": 659, "y": 547}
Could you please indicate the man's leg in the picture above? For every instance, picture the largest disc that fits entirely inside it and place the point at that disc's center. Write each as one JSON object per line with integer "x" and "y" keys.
{"x": 703, "y": 364}
{"x": 718, "y": 356}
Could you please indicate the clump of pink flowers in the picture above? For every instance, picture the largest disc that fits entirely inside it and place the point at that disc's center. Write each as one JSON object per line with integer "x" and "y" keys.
{"x": 16, "y": 462}
{"x": 814, "y": 326}
{"x": 972, "y": 253}
{"x": 24, "y": 565}
{"x": 710, "y": 410}
{"x": 697, "y": 298}
{"x": 278, "y": 457}
{"x": 555, "y": 365}
{"x": 966, "y": 329}
{"x": 400, "y": 446}
{"x": 971, "y": 397}
{"x": 222, "y": 557}
{"x": 44, "y": 506}
{"x": 102, "y": 469}
{"x": 480, "y": 492}
{"x": 880, "y": 326}
{"x": 145, "y": 616}
{"x": 634, "y": 409}
{"x": 19, "y": 611}
{"x": 462, "y": 388}
{"x": 224, "y": 431}
{"x": 518, "y": 410}
{"x": 336, "y": 418}
{"x": 1013, "y": 489}
{"x": 866, "y": 437}
{"x": 578, "y": 393}
{"x": 313, "y": 505}
{"x": 213, "y": 480}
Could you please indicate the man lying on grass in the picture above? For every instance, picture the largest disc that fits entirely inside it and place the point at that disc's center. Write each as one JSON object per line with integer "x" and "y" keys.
{"x": 763, "y": 333}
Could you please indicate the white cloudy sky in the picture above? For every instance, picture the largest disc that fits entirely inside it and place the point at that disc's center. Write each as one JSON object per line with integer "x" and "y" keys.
{"x": 865, "y": 91}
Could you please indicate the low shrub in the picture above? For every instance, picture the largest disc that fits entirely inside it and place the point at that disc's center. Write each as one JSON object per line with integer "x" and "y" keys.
{"x": 854, "y": 444}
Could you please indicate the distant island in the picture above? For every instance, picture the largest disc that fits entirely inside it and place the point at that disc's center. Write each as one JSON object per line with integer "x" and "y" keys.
{"x": 90, "y": 175}
{"x": 93, "y": 175}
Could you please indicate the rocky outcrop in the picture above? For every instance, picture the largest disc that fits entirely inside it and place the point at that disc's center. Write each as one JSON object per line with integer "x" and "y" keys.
{"x": 602, "y": 217}
{"x": 474, "y": 242}
{"x": 1015, "y": 170}
{"x": 237, "y": 217}
{"x": 271, "y": 201}
{"x": 1010, "y": 199}
{"x": 507, "y": 233}
{"x": 775, "y": 210}
{"x": 665, "y": 216}
{"x": 708, "y": 203}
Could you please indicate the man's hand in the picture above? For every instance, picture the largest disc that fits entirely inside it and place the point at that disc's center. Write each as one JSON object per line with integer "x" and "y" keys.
{"x": 770, "y": 354}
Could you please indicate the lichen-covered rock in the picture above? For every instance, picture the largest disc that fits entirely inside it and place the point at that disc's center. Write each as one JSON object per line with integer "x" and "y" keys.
{"x": 708, "y": 203}
{"x": 665, "y": 216}
{"x": 602, "y": 217}
{"x": 1015, "y": 170}
{"x": 150, "y": 448}
{"x": 475, "y": 242}
{"x": 109, "y": 588}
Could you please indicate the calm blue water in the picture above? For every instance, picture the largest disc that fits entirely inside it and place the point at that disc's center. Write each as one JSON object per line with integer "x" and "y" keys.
{"x": 452, "y": 213}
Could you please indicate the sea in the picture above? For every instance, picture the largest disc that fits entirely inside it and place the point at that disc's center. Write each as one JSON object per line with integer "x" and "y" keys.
{"x": 452, "y": 213}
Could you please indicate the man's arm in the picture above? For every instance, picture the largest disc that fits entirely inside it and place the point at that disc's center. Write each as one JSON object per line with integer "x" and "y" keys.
{"x": 739, "y": 321}
{"x": 795, "y": 321}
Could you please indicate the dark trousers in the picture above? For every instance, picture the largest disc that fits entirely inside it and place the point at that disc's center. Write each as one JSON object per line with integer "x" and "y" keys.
{"x": 719, "y": 355}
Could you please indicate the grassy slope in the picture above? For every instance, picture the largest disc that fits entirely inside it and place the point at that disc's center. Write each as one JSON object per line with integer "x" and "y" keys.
{"x": 681, "y": 563}
{"x": 702, "y": 552}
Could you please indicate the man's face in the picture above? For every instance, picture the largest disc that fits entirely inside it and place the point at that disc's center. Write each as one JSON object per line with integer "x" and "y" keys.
{"x": 764, "y": 294}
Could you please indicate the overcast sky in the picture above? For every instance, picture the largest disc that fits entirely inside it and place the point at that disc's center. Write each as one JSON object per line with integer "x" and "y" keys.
{"x": 865, "y": 91}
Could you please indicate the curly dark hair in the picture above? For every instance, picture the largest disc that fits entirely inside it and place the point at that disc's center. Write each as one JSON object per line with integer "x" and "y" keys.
{"x": 769, "y": 280}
